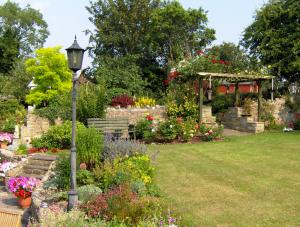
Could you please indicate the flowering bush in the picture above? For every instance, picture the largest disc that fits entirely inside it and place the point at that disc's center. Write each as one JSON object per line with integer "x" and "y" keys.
{"x": 123, "y": 205}
{"x": 6, "y": 137}
{"x": 144, "y": 127}
{"x": 209, "y": 134}
{"x": 132, "y": 169}
{"x": 167, "y": 131}
{"x": 5, "y": 167}
{"x": 144, "y": 102}
{"x": 22, "y": 186}
{"x": 122, "y": 101}
{"x": 188, "y": 129}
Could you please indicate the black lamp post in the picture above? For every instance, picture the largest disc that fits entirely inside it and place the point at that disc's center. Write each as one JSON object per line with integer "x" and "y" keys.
{"x": 75, "y": 57}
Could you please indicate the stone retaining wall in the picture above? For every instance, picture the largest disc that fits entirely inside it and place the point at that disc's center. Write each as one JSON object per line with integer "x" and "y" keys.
{"x": 136, "y": 114}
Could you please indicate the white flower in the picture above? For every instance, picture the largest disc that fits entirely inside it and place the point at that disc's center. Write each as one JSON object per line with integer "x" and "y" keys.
{"x": 153, "y": 130}
{"x": 171, "y": 126}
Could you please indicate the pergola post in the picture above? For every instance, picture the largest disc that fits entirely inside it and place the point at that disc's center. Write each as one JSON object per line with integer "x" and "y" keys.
{"x": 259, "y": 110}
{"x": 201, "y": 95}
{"x": 237, "y": 94}
{"x": 272, "y": 92}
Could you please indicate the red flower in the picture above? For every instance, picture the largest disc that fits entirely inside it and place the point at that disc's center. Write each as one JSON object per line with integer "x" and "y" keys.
{"x": 197, "y": 126}
{"x": 166, "y": 82}
{"x": 214, "y": 61}
{"x": 200, "y": 52}
{"x": 150, "y": 118}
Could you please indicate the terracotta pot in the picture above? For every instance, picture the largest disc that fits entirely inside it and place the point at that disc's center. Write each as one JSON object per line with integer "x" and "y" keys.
{"x": 3, "y": 145}
{"x": 25, "y": 203}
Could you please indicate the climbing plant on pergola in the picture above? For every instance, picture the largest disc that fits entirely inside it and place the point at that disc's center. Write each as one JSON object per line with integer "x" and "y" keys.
{"x": 207, "y": 68}
{"x": 236, "y": 78}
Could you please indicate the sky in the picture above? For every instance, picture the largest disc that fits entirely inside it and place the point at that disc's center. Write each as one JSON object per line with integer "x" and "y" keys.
{"x": 67, "y": 18}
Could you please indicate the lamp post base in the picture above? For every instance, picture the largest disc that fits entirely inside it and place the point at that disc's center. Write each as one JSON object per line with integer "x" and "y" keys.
{"x": 72, "y": 199}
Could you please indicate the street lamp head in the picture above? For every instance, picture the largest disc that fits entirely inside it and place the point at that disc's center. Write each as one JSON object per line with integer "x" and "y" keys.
{"x": 75, "y": 56}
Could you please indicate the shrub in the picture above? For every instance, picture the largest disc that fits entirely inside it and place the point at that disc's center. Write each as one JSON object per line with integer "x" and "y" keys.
{"x": 9, "y": 125}
{"x": 188, "y": 129}
{"x": 122, "y": 204}
{"x": 144, "y": 102}
{"x": 88, "y": 192}
{"x": 221, "y": 103}
{"x": 58, "y": 136}
{"x": 209, "y": 134}
{"x": 167, "y": 131}
{"x": 89, "y": 143}
{"x": 62, "y": 170}
{"x": 68, "y": 219}
{"x": 22, "y": 149}
{"x": 143, "y": 127}
{"x": 122, "y": 101}
{"x": 121, "y": 149}
{"x": 91, "y": 102}
{"x": 84, "y": 177}
{"x": 132, "y": 169}
{"x": 187, "y": 109}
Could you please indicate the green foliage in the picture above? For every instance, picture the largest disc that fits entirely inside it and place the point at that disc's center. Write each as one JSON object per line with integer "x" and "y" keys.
{"x": 69, "y": 219}
{"x": 132, "y": 169}
{"x": 143, "y": 127}
{"x": 89, "y": 144}
{"x": 22, "y": 150}
{"x": 123, "y": 205}
{"x": 9, "y": 125}
{"x": 84, "y": 177}
{"x": 88, "y": 192}
{"x": 220, "y": 103}
{"x": 51, "y": 75}
{"x": 58, "y": 136}
{"x": 157, "y": 34}
{"x": 21, "y": 31}
{"x": 187, "y": 130}
{"x": 11, "y": 113}
{"x": 273, "y": 38}
{"x": 176, "y": 31}
{"x": 293, "y": 102}
{"x": 167, "y": 131}
{"x": 210, "y": 133}
{"x": 62, "y": 170}
{"x": 91, "y": 102}
{"x": 121, "y": 75}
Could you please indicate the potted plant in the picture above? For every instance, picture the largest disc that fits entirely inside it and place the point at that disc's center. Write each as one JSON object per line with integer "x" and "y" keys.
{"x": 5, "y": 167}
{"x": 5, "y": 138}
{"x": 22, "y": 188}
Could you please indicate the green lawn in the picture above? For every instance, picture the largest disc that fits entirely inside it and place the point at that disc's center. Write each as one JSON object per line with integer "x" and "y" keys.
{"x": 242, "y": 181}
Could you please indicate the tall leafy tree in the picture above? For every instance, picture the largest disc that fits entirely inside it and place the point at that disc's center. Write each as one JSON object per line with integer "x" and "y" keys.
{"x": 177, "y": 32}
{"x": 21, "y": 32}
{"x": 273, "y": 38}
{"x": 51, "y": 75}
{"x": 152, "y": 32}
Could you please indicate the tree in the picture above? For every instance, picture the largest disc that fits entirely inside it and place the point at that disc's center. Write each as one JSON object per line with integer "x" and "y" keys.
{"x": 154, "y": 33}
{"x": 121, "y": 26}
{"x": 21, "y": 32}
{"x": 237, "y": 58}
{"x": 51, "y": 75}
{"x": 177, "y": 32}
{"x": 121, "y": 75}
{"x": 273, "y": 38}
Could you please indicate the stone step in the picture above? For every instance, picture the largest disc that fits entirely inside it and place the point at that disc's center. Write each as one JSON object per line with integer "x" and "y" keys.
{"x": 39, "y": 162}
{"x": 43, "y": 157}
{"x": 35, "y": 171}
{"x": 38, "y": 176}
{"x": 38, "y": 167}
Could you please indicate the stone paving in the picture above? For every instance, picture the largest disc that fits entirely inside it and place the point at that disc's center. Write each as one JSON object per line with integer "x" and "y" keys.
{"x": 230, "y": 132}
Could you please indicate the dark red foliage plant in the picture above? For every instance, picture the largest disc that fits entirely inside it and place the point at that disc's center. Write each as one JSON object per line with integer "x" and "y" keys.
{"x": 122, "y": 101}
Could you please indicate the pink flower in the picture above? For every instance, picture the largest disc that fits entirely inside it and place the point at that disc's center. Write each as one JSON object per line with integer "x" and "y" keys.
{"x": 82, "y": 166}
